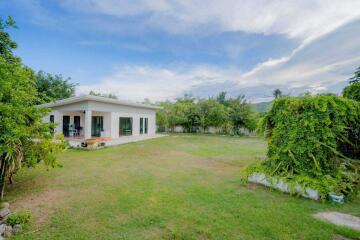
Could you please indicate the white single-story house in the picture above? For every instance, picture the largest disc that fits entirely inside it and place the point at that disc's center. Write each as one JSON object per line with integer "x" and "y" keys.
{"x": 112, "y": 120}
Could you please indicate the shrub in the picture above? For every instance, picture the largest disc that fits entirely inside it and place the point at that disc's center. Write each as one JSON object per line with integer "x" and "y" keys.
{"x": 306, "y": 138}
{"x": 18, "y": 218}
{"x": 352, "y": 91}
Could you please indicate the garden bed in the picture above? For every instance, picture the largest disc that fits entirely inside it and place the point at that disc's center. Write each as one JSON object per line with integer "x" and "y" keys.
{"x": 284, "y": 186}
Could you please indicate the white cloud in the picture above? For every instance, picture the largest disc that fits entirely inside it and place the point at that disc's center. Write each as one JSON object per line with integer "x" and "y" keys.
{"x": 160, "y": 83}
{"x": 305, "y": 19}
{"x": 315, "y": 67}
{"x": 326, "y": 61}
{"x": 328, "y": 52}
{"x": 157, "y": 83}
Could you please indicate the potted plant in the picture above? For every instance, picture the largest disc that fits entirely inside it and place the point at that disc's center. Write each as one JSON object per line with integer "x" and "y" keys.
{"x": 336, "y": 196}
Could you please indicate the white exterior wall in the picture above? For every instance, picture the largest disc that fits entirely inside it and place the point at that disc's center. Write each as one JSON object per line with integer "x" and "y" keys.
{"x": 118, "y": 111}
{"x": 58, "y": 118}
{"x": 111, "y": 113}
{"x": 135, "y": 122}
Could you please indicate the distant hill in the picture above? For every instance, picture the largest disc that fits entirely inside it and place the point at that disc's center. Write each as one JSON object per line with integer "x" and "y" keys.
{"x": 262, "y": 106}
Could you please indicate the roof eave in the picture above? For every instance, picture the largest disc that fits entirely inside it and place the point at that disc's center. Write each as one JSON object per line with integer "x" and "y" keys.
{"x": 98, "y": 99}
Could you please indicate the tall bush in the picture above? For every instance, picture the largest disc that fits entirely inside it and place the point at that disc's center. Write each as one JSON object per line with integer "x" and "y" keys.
{"x": 305, "y": 141}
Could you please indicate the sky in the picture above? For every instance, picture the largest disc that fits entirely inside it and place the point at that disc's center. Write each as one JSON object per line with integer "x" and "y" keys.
{"x": 161, "y": 49}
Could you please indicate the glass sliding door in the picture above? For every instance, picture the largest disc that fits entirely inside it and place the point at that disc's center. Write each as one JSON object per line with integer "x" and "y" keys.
{"x": 97, "y": 126}
{"x": 77, "y": 125}
{"x": 146, "y": 125}
{"x": 77, "y": 122}
{"x": 52, "y": 120}
{"x": 66, "y": 125}
{"x": 141, "y": 125}
{"x": 125, "y": 126}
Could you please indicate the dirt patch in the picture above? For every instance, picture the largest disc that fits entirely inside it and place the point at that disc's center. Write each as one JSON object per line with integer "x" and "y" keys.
{"x": 41, "y": 205}
{"x": 252, "y": 186}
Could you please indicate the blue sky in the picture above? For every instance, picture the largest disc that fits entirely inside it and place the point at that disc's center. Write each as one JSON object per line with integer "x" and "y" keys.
{"x": 161, "y": 49}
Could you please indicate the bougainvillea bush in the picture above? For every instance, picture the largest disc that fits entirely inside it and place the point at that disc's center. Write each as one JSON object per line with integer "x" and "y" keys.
{"x": 308, "y": 143}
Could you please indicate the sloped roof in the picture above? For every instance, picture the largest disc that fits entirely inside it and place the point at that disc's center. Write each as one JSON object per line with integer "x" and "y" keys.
{"x": 96, "y": 99}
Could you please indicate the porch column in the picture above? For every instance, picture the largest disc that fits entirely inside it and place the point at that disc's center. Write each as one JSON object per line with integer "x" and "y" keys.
{"x": 58, "y": 119}
{"x": 87, "y": 127}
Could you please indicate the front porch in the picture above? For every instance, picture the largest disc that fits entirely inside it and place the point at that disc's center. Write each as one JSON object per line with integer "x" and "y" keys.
{"x": 79, "y": 125}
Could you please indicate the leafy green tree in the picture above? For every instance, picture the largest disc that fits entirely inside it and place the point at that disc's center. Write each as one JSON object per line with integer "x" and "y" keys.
{"x": 7, "y": 44}
{"x": 53, "y": 87}
{"x": 212, "y": 114}
{"x": 24, "y": 139}
{"x": 231, "y": 114}
{"x": 352, "y": 91}
{"x": 187, "y": 114}
{"x": 240, "y": 113}
{"x": 107, "y": 95}
{"x": 163, "y": 117}
{"x": 221, "y": 98}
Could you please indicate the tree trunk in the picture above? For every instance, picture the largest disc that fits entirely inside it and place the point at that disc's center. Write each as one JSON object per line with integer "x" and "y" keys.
{"x": 2, "y": 176}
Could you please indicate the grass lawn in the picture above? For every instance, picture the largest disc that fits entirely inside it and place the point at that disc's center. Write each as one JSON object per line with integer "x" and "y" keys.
{"x": 176, "y": 187}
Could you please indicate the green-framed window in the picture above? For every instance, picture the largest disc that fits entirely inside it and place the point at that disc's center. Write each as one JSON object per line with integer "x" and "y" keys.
{"x": 125, "y": 126}
{"x": 141, "y": 125}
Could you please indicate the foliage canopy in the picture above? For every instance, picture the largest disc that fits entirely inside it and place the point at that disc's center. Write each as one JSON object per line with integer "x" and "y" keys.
{"x": 356, "y": 77}
{"x": 306, "y": 138}
{"x": 53, "y": 87}
{"x": 24, "y": 139}
{"x": 193, "y": 114}
{"x": 107, "y": 95}
{"x": 7, "y": 45}
{"x": 352, "y": 91}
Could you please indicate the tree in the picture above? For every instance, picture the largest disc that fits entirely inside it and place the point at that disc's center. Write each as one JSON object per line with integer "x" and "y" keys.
{"x": 7, "y": 45}
{"x": 187, "y": 114}
{"x": 240, "y": 114}
{"x": 356, "y": 77}
{"x": 107, "y": 95}
{"x": 53, "y": 87}
{"x": 24, "y": 139}
{"x": 212, "y": 114}
{"x": 352, "y": 91}
{"x": 192, "y": 113}
{"x": 221, "y": 98}
{"x": 163, "y": 117}
{"x": 277, "y": 93}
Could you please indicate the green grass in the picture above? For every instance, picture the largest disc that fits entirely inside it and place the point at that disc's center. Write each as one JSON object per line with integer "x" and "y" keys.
{"x": 177, "y": 187}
